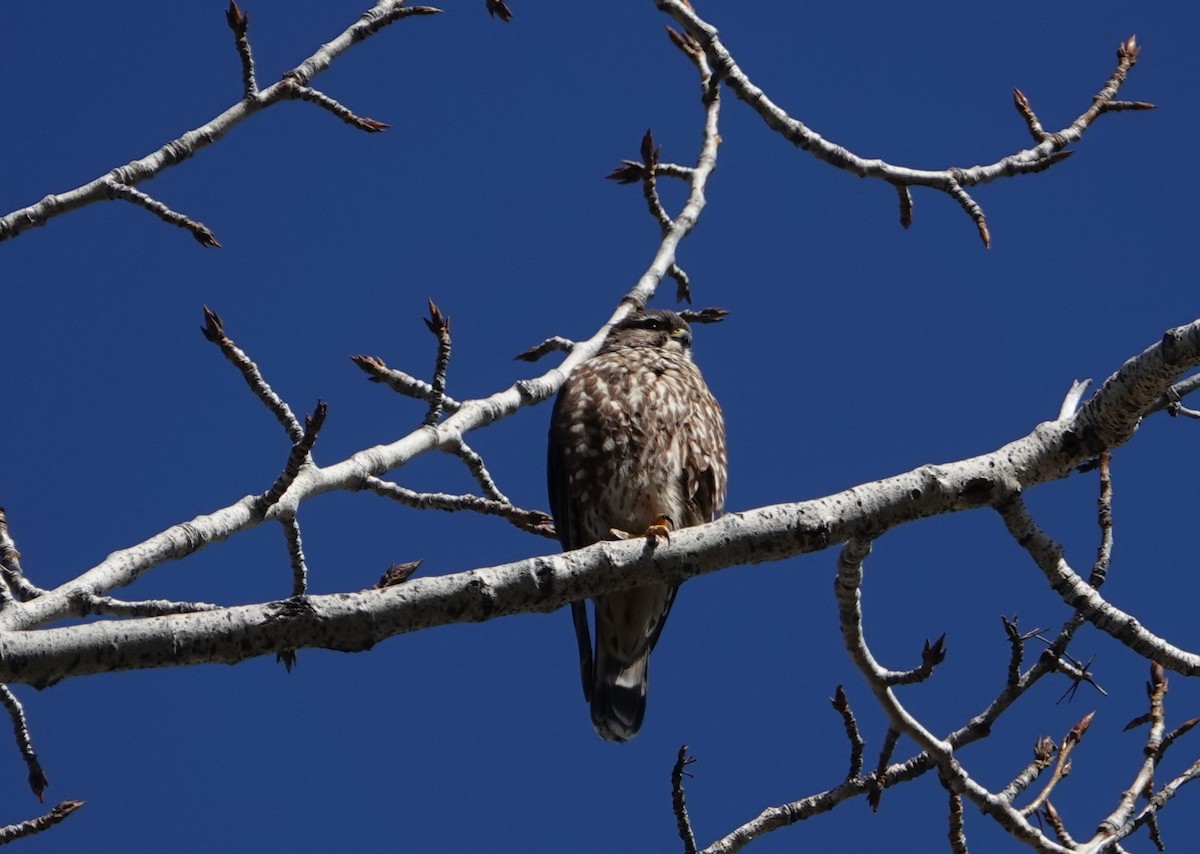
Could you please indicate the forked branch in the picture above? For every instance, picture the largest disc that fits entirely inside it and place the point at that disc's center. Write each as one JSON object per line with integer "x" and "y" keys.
{"x": 120, "y": 181}
{"x": 952, "y": 180}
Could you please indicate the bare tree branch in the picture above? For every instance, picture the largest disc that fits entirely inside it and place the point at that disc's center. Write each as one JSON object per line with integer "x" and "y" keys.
{"x": 125, "y": 566}
{"x": 841, "y": 704}
{"x": 295, "y": 547}
{"x": 1074, "y": 395}
{"x": 550, "y": 345}
{"x": 36, "y": 825}
{"x": 239, "y": 22}
{"x": 402, "y": 382}
{"x": 1083, "y": 434}
{"x": 679, "y": 802}
{"x": 483, "y": 477}
{"x": 850, "y": 577}
{"x": 214, "y": 331}
{"x": 1043, "y": 753}
{"x": 952, "y": 180}
{"x": 202, "y": 233}
{"x": 1051, "y": 451}
{"x": 957, "y": 833}
{"x": 534, "y": 521}
{"x": 297, "y": 458}
{"x": 120, "y": 181}
{"x": 1082, "y": 596}
{"x": 1062, "y": 765}
{"x": 439, "y": 325}
{"x": 16, "y": 713}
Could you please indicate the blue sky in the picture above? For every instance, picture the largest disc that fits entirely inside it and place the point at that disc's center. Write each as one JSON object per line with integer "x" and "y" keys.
{"x": 855, "y": 350}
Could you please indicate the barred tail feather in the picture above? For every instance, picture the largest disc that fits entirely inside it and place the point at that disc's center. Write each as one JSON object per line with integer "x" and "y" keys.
{"x": 619, "y": 697}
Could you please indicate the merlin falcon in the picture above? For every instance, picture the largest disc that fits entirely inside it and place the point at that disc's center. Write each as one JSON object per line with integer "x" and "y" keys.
{"x": 637, "y": 447}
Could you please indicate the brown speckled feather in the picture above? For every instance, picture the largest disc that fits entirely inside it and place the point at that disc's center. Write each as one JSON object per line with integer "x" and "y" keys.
{"x": 635, "y": 435}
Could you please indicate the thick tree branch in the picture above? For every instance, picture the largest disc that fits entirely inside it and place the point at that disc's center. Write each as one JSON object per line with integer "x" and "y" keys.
{"x": 124, "y": 566}
{"x": 358, "y": 620}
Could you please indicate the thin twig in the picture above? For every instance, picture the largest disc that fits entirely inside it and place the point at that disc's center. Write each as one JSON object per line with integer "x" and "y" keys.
{"x": 499, "y": 9}
{"x": 550, "y": 345}
{"x": 1017, "y": 643}
{"x": 119, "y": 181}
{"x": 1160, "y": 798}
{"x": 239, "y": 22}
{"x": 1172, "y": 396}
{"x": 1105, "y": 520}
{"x": 1062, "y": 766}
{"x": 841, "y": 703}
{"x": 198, "y": 230}
{"x": 1043, "y": 753}
{"x": 976, "y": 728}
{"x": 483, "y": 477}
{"x": 404, "y": 383}
{"x": 295, "y": 547}
{"x": 1176, "y": 733}
{"x": 16, "y": 714}
{"x": 957, "y": 833}
{"x": 682, "y": 822}
{"x": 214, "y": 331}
{"x": 534, "y": 521}
{"x": 315, "y": 96}
{"x": 683, "y": 284}
{"x": 955, "y": 190}
{"x": 1174, "y": 405}
{"x": 906, "y": 204}
{"x": 1086, "y": 599}
{"x": 1050, "y": 814}
{"x": 890, "y": 738}
{"x": 848, "y": 590}
{"x": 297, "y": 457}
{"x": 439, "y": 325}
{"x": 1031, "y": 119}
{"x": 704, "y": 315}
{"x": 37, "y": 825}
{"x": 632, "y": 171}
{"x": 931, "y": 656}
{"x": 1070, "y": 404}
{"x": 650, "y": 153}
{"x": 1079, "y": 673}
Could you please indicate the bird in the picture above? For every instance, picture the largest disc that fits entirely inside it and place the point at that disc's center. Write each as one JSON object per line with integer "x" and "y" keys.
{"x": 636, "y": 447}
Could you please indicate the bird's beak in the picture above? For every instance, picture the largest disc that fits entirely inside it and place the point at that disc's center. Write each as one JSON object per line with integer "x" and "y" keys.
{"x": 683, "y": 336}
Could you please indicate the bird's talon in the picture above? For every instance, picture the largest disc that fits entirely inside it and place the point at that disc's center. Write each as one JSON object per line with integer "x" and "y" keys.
{"x": 661, "y": 528}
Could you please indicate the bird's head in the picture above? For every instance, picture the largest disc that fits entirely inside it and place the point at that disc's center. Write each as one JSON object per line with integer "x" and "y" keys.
{"x": 651, "y": 328}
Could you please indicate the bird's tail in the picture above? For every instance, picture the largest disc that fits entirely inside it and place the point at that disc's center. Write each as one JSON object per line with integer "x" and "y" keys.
{"x": 619, "y": 697}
